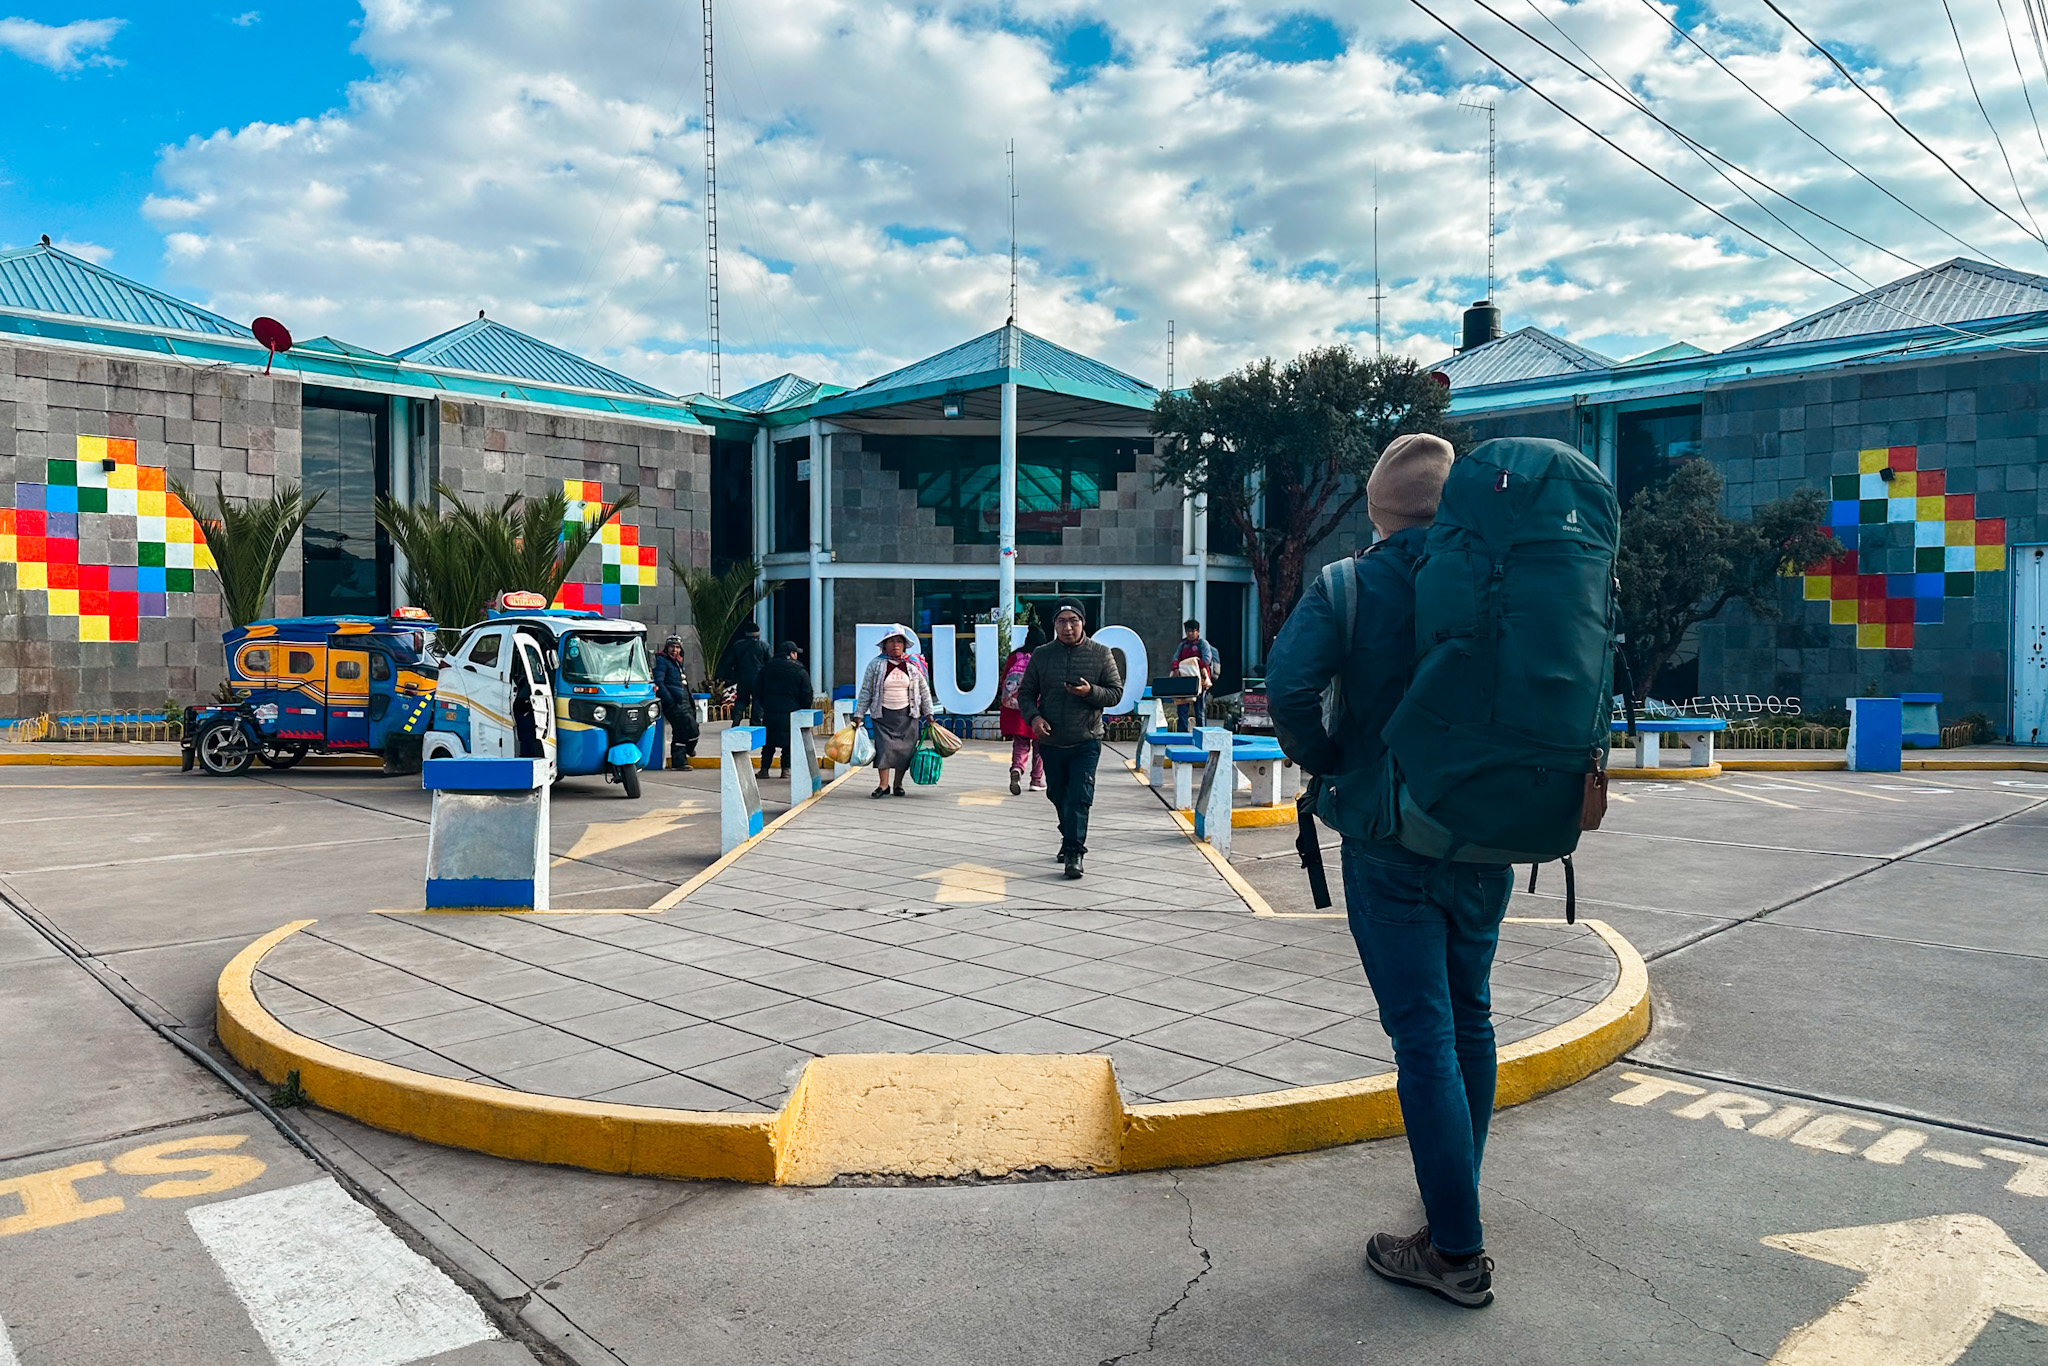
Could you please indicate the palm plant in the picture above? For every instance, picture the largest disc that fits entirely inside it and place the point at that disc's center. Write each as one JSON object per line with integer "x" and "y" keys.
{"x": 718, "y": 603}
{"x": 456, "y": 562}
{"x": 248, "y": 539}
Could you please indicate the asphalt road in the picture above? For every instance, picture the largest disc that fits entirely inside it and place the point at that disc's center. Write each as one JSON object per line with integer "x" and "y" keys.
{"x": 1847, "y": 1059}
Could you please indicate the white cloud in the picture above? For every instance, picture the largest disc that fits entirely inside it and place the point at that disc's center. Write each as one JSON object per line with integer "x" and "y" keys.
{"x": 88, "y": 251}
{"x": 60, "y": 47}
{"x": 247, "y": 18}
{"x": 544, "y": 162}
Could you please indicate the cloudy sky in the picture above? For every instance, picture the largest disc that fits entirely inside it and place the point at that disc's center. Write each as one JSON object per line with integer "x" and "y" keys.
{"x": 381, "y": 171}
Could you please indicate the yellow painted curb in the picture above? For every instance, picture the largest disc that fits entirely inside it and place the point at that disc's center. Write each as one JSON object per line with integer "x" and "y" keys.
{"x": 634, "y": 1139}
{"x": 925, "y": 1114}
{"x": 1979, "y": 765}
{"x": 1668, "y": 774}
{"x": 1195, "y": 1133}
{"x": 1783, "y": 765}
{"x": 1255, "y": 817}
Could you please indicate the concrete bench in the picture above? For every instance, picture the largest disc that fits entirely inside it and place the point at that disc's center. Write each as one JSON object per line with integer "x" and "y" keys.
{"x": 1254, "y": 759}
{"x": 1696, "y": 732}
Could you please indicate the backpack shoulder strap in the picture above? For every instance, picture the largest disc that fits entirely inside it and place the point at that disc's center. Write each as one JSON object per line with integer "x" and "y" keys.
{"x": 1340, "y": 586}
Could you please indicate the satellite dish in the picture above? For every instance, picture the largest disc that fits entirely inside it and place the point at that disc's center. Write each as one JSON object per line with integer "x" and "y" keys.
{"x": 275, "y": 338}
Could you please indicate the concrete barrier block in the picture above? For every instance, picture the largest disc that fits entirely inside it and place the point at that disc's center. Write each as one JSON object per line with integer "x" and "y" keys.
{"x": 487, "y": 845}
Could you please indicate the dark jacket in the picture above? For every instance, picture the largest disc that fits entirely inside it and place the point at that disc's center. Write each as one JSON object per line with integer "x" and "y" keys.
{"x": 671, "y": 684}
{"x": 742, "y": 661}
{"x": 1044, "y": 691}
{"x": 1310, "y": 653}
{"x": 783, "y": 687}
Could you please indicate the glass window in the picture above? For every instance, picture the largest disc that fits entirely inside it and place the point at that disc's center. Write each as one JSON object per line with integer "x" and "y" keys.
{"x": 255, "y": 661}
{"x": 380, "y": 669}
{"x": 604, "y": 659}
{"x": 1035, "y": 601}
{"x": 298, "y": 662}
{"x": 1649, "y": 443}
{"x": 1058, "y": 478}
{"x": 792, "y": 501}
{"x": 348, "y": 668}
{"x": 345, "y": 458}
{"x": 483, "y": 651}
{"x": 732, "y": 504}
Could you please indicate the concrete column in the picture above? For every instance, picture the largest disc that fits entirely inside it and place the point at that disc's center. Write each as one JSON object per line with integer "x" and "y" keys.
{"x": 398, "y": 420}
{"x": 1201, "y": 611}
{"x": 814, "y": 580}
{"x": 1006, "y": 532}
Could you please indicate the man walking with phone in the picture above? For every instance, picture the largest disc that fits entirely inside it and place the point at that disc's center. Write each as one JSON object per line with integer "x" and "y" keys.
{"x": 1067, "y": 684}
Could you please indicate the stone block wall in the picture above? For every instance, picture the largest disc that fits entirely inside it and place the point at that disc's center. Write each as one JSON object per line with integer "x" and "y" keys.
{"x": 490, "y": 450}
{"x": 1976, "y": 422}
{"x": 193, "y": 424}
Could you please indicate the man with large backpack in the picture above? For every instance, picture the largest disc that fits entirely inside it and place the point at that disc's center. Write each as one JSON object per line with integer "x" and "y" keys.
{"x": 1448, "y": 691}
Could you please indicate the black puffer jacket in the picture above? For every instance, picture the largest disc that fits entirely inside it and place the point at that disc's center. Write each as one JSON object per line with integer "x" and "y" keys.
{"x": 1044, "y": 692}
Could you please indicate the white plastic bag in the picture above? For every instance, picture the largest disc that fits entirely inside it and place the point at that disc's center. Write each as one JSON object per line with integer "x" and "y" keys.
{"x": 863, "y": 747}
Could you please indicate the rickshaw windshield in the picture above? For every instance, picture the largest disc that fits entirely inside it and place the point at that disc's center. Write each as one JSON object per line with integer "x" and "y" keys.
{"x": 604, "y": 659}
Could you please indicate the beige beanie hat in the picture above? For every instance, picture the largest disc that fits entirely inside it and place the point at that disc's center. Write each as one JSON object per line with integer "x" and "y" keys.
{"x": 1407, "y": 481}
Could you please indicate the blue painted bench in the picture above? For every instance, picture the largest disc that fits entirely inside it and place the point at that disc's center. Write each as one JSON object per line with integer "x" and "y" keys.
{"x": 1696, "y": 732}
{"x": 1257, "y": 759}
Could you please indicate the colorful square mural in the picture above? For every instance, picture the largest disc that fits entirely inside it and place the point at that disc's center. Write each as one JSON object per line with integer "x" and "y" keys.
{"x": 41, "y": 534}
{"x": 626, "y": 566}
{"x": 1952, "y": 545}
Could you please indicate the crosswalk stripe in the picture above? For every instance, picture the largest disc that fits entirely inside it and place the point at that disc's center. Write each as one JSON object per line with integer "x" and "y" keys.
{"x": 7, "y": 1356}
{"x": 325, "y": 1284}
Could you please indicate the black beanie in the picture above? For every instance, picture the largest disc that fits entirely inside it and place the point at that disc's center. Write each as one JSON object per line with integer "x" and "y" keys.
{"x": 1071, "y": 605}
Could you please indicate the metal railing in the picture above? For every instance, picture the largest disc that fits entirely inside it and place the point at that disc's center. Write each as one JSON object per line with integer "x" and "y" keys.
{"x": 108, "y": 727}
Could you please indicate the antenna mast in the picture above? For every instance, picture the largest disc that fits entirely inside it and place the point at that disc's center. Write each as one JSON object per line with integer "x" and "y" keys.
{"x": 711, "y": 203}
{"x": 1013, "y": 227}
{"x": 1169, "y": 353}
{"x": 1491, "y": 167}
{"x": 1377, "y": 293}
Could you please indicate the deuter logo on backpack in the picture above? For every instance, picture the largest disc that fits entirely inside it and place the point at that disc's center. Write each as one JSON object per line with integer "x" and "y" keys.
{"x": 1505, "y": 717}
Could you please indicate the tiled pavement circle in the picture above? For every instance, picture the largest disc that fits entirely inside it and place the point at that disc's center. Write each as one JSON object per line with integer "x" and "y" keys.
{"x": 937, "y": 923}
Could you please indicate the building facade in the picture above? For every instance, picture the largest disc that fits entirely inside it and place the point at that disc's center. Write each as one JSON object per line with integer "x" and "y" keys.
{"x": 1916, "y": 409}
{"x": 113, "y": 395}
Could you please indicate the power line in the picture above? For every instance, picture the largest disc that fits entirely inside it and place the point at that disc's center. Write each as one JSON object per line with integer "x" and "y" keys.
{"x": 2034, "y": 28}
{"x": 1919, "y": 141}
{"x": 1706, "y": 155}
{"x": 2013, "y": 46}
{"x": 1801, "y": 129}
{"x": 2004, "y": 156}
{"x": 1640, "y": 164}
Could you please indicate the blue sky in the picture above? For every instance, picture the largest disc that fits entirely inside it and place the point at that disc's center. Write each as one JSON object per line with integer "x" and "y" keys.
{"x": 381, "y": 170}
{"x": 170, "y": 72}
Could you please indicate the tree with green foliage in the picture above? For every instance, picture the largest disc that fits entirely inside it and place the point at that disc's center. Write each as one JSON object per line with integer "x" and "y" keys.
{"x": 1684, "y": 561}
{"x": 248, "y": 539}
{"x": 1301, "y": 438}
{"x": 718, "y": 603}
{"x": 457, "y": 560}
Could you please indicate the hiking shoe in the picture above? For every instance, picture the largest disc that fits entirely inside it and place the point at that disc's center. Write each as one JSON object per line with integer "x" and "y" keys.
{"x": 1016, "y": 781}
{"x": 1415, "y": 1261}
{"x": 1073, "y": 862}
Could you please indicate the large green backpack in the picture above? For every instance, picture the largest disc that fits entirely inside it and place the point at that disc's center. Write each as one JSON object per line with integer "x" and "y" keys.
{"x": 1497, "y": 750}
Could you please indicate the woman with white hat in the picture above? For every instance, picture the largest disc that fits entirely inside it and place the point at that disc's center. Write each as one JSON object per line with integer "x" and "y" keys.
{"x": 897, "y": 698}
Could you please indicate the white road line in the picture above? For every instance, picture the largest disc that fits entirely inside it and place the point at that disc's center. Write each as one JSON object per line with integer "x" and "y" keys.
{"x": 7, "y": 1356}
{"x": 325, "y": 1284}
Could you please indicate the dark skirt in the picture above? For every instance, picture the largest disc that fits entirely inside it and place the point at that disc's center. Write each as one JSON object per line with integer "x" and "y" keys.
{"x": 895, "y": 739}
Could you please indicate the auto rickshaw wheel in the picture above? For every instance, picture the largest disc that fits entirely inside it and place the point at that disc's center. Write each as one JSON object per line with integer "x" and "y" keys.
{"x": 225, "y": 749}
{"x": 629, "y": 779}
{"x": 280, "y": 756}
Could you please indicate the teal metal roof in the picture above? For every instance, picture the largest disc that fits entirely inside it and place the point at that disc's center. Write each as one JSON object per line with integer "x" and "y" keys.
{"x": 335, "y": 347}
{"x": 1010, "y": 348}
{"x": 484, "y": 347}
{"x": 1675, "y": 351}
{"x": 43, "y": 279}
{"x": 784, "y": 391}
{"x": 1956, "y": 291}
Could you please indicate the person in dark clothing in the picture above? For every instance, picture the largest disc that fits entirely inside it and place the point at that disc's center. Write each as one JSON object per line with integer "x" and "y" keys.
{"x": 1067, "y": 684}
{"x": 1426, "y": 931}
{"x": 784, "y": 686}
{"x": 678, "y": 707}
{"x": 740, "y": 666}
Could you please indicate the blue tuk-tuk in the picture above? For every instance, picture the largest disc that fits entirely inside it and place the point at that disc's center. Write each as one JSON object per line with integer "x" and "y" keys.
{"x": 532, "y": 681}
{"x": 319, "y": 685}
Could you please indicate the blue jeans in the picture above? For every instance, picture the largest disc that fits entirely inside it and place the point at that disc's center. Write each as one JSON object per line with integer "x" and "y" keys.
{"x": 1427, "y": 934}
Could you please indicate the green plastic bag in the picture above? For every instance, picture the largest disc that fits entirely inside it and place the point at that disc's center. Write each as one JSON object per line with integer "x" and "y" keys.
{"x": 925, "y": 766}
